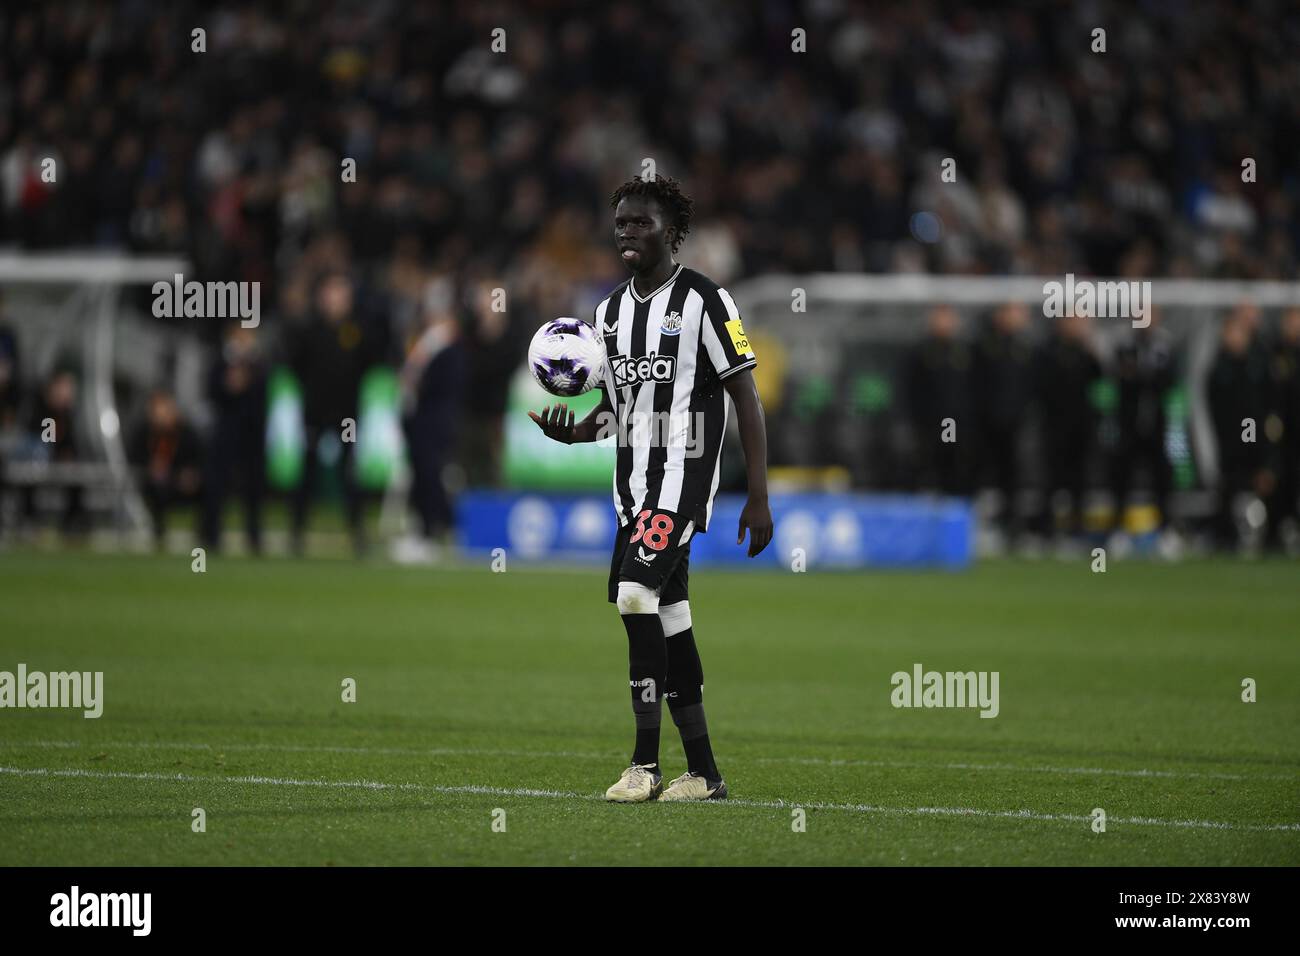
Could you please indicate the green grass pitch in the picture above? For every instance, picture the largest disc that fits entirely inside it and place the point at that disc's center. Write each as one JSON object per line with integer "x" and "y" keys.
{"x": 479, "y": 691}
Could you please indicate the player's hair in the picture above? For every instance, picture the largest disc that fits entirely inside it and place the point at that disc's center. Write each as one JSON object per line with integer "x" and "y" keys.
{"x": 667, "y": 191}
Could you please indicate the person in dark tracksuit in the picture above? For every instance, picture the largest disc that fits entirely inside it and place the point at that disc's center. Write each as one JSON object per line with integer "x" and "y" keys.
{"x": 1284, "y": 368}
{"x": 237, "y": 450}
{"x": 330, "y": 355}
{"x": 1002, "y": 377}
{"x": 938, "y": 387}
{"x": 9, "y": 393}
{"x": 1067, "y": 369}
{"x": 433, "y": 382}
{"x": 168, "y": 454}
{"x": 56, "y": 414}
{"x": 1237, "y": 390}
{"x": 1144, "y": 370}
{"x": 495, "y": 347}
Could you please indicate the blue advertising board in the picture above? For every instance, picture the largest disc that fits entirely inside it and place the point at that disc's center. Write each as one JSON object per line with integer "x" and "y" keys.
{"x": 821, "y": 530}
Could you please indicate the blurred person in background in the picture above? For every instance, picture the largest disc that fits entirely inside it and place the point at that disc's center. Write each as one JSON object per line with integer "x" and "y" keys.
{"x": 496, "y": 350}
{"x": 1285, "y": 380}
{"x": 1002, "y": 382}
{"x": 1067, "y": 369}
{"x": 1144, "y": 370}
{"x": 52, "y": 429}
{"x": 1237, "y": 390}
{"x": 9, "y": 381}
{"x": 432, "y": 385}
{"x": 236, "y": 456}
{"x": 329, "y": 355}
{"x": 9, "y": 399}
{"x": 167, "y": 451}
{"x": 938, "y": 386}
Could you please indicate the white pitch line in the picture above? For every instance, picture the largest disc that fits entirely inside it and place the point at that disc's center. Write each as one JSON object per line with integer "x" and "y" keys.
{"x": 572, "y": 795}
{"x": 577, "y": 755}
{"x": 1091, "y": 771}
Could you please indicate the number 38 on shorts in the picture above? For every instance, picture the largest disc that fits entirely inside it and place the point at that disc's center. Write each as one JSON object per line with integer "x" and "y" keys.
{"x": 653, "y": 550}
{"x": 653, "y": 530}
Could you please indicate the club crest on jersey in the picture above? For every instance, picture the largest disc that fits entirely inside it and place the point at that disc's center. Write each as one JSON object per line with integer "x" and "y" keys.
{"x": 672, "y": 324}
{"x": 629, "y": 371}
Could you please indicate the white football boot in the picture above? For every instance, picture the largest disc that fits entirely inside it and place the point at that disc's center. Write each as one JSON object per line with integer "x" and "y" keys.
{"x": 694, "y": 786}
{"x": 638, "y": 784}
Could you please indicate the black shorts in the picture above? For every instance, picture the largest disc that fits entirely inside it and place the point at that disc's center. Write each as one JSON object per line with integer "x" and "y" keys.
{"x": 651, "y": 551}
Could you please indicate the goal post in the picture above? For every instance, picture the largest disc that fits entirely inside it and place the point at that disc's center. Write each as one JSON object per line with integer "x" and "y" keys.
{"x": 72, "y": 302}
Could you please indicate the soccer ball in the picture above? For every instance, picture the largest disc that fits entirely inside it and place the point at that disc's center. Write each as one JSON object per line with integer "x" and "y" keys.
{"x": 567, "y": 357}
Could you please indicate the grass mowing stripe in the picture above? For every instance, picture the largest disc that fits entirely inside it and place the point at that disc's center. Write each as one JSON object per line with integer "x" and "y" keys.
{"x": 577, "y": 755}
{"x": 571, "y": 795}
{"x": 316, "y": 748}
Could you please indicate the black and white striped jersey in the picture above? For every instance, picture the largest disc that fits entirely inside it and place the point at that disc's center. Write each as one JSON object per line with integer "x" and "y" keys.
{"x": 668, "y": 354}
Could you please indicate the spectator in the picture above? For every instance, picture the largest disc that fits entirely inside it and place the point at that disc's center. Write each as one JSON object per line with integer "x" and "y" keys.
{"x": 236, "y": 455}
{"x": 9, "y": 368}
{"x": 433, "y": 382}
{"x": 9, "y": 395}
{"x": 53, "y": 424}
{"x": 167, "y": 452}
{"x": 1067, "y": 370}
{"x": 1002, "y": 382}
{"x": 938, "y": 387}
{"x": 1285, "y": 373}
{"x": 1144, "y": 372}
{"x": 1238, "y": 396}
{"x": 496, "y": 348}
{"x": 329, "y": 356}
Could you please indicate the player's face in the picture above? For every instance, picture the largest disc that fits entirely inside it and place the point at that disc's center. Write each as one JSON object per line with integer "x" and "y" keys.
{"x": 640, "y": 235}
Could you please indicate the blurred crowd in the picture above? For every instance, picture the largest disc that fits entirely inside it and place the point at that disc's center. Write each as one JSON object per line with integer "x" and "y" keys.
{"x": 481, "y": 168}
{"x": 1067, "y": 159}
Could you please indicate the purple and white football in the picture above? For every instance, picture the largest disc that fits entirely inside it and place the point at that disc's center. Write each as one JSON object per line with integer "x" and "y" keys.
{"x": 567, "y": 357}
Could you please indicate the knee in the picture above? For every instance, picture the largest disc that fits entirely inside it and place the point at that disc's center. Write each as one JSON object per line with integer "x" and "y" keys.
{"x": 634, "y": 598}
{"x": 675, "y": 617}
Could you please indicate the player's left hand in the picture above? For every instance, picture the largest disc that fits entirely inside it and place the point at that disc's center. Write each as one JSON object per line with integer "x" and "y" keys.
{"x": 757, "y": 517}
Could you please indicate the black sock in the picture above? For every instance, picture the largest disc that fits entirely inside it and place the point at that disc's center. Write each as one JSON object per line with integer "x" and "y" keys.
{"x": 695, "y": 740}
{"x": 685, "y": 692}
{"x": 647, "y": 748}
{"x": 647, "y": 675}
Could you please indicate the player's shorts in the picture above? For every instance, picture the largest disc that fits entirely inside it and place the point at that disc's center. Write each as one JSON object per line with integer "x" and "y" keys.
{"x": 654, "y": 551}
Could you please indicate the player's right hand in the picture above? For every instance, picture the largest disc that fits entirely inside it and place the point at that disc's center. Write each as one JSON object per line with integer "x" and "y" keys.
{"x": 556, "y": 421}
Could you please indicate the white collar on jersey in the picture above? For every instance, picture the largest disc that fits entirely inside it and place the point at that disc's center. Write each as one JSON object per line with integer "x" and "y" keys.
{"x": 631, "y": 286}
